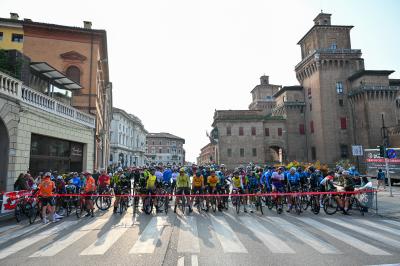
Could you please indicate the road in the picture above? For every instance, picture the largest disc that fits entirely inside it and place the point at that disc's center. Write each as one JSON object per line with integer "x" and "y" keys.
{"x": 204, "y": 239}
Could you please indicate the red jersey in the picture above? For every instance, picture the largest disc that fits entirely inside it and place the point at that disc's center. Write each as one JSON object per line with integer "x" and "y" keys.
{"x": 104, "y": 180}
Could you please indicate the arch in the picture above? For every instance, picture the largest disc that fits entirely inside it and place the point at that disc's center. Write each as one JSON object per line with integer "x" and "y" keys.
{"x": 74, "y": 73}
{"x": 4, "y": 152}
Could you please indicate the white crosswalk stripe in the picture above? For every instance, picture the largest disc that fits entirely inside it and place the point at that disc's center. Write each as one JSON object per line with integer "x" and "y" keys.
{"x": 148, "y": 239}
{"x": 317, "y": 244}
{"x": 392, "y": 222}
{"x": 106, "y": 240}
{"x": 269, "y": 230}
{"x": 19, "y": 245}
{"x": 270, "y": 240}
{"x": 8, "y": 227}
{"x": 14, "y": 234}
{"x": 188, "y": 236}
{"x": 368, "y": 233}
{"x": 69, "y": 239}
{"x": 352, "y": 241}
{"x": 227, "y": 237}
{"x": 379, "y": 226}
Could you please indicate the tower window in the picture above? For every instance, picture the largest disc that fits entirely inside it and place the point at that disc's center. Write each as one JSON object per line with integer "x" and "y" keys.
{"x": 343, "y": 123}
{"x": 339, "y": 87}
{"x": 266, "y": 131}
{"x": 254, "y": 152}
{"x": 241, "y": 152}
{"x": 228, "y": 131}
{"x": 253, "y": 131}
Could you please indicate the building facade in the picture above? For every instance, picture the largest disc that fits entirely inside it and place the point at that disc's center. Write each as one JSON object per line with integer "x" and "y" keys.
{"x": 81, "y": 54}
{"x": 208, "y": 155}
{"x": 39, "y": 133}
{"x": 337, "y": 104}
{"x": 165, "y": 148}
{"x": 128, "y": 140}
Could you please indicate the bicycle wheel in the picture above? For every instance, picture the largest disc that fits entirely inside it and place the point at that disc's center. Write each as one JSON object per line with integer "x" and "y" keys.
{"x": 183, "y": 204}
{"x": 298, "y": 206}
{"x": 33, "y": 213}
{"x": 79, "y": 209}
{"x": 330, "y": 205}
{"x": 305, "y": 202}
{"x": 103, "y": 202}
{"x": 214, "y": 203}
{"x": 148, "y": 205}
{"x": 260, "y": 205}
{"x": 279, "y": 205}
{"x": 166, "y": 205}
{"x": 237, "y": 204}
{"x": 315, "y": 206}
{"x": 269, "y": 202}
{"x": 18, "y": 213}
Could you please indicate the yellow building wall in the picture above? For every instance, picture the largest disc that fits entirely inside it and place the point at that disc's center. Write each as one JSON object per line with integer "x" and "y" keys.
{"x": 6, "y": 43}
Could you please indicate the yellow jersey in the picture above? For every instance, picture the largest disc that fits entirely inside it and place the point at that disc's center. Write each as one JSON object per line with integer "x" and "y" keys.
{"x": 212, "y": 180}
{"x": 197, "y": 181}
{"x": 182, "y": 181}
{"x": 236, "y": 182}
{"x": 151, "y": 181}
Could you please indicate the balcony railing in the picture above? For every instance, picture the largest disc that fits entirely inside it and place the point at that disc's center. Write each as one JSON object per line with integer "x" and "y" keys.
{"x": 14, "y": 88}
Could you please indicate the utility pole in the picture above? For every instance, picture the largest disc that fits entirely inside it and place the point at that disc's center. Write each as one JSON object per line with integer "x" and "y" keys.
{"x": 385, "y": 141}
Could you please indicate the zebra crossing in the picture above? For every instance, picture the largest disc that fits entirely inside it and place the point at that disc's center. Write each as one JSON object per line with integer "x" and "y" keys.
{"x": 276, "y": 234}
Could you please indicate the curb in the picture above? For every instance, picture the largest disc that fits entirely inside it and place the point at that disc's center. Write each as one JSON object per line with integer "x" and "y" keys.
{"x": 6, "y": 217}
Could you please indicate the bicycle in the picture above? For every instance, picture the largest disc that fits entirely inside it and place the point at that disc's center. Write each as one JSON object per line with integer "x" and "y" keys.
{"x": 332, "y": 204}
{"x": 257, "y": 200}
{"x": 199, "y": 201}
{"x": 236, "y": 199}
{"x": 123, "y": 201}
{"x": 22, "y": 207}
{"x": 103, "y": 201}
{"x": 148, "y": 203}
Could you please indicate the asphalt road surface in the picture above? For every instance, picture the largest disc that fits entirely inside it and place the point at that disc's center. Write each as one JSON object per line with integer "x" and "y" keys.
{"x": 203, "y": 239}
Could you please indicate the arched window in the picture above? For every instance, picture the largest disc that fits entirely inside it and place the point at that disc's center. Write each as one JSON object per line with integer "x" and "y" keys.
{"x": 74, "y": 73}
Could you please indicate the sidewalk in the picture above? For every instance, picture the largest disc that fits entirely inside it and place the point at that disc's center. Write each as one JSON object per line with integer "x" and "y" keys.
{"x": 389, "y": 206}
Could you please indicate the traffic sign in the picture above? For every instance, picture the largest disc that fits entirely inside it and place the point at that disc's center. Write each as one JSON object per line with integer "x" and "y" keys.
{"x": 391, "y": 153}
{"x": 357, "y": 150}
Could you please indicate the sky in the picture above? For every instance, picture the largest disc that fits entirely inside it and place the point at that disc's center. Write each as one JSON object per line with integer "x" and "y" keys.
{"x": 174, "y": 62}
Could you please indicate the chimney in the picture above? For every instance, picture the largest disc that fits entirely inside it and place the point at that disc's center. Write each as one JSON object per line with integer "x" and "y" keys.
{"x": 87, "y": 24}
{"x": 14, "y": 16}
{"x": 264, "y": 80}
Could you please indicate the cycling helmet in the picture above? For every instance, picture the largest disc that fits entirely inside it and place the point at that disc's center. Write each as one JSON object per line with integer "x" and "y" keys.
{"x": 182, "y": 170}
{"x": 47, "y": 174}
{"x": 198, "y": 173}
{"x": 119, "y": 169}
{"x": 59, "y": 177}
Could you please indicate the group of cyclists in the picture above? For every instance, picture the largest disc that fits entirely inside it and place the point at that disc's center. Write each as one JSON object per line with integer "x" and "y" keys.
{"x": 194, "y": 185}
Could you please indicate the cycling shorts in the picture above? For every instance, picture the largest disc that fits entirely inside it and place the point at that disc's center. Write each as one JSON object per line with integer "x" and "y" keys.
{"x": 212, "y": 190}
{"x": 181, "y": 190}
{"x": 197, "y": 189}
{"x": 294, "y": 188}
{"x": 90, "y": 193}
{"x": 278, "y": 187}
{"x": 47, "y": 201}
{"x": 151, "y": 191}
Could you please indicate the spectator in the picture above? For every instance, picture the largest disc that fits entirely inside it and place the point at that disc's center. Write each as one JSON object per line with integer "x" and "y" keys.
{"x": 21, "y": 183}
{"x": 381, "y": 179}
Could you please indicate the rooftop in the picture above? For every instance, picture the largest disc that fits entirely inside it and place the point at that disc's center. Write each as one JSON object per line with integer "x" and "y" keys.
{"x": 288, "y": 88}
{"x": 370, "y": 73}
{"x": 164, "y": 135}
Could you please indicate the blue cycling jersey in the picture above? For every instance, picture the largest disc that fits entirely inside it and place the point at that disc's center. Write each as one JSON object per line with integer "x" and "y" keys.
{"x": 167, "y": 176}
{"x": 253, "y": 181}
{"x": 293, "y": 179}
{"x": 77, "y": 182}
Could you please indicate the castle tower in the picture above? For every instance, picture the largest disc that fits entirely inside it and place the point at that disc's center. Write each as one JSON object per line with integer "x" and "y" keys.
{"x": 327, "y": 61}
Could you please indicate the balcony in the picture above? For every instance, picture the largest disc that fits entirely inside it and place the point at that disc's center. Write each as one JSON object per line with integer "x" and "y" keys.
{"x": 13, "y": 88}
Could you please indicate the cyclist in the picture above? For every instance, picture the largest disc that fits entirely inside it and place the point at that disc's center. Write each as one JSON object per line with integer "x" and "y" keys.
{"x": 265, "y": 179}
{"x": 197, "y": 185}
{"x": 45, "y": 193}
{"x": 222, "y": 187}
{"x": 159, "y": 174}
{"x": 103, "y": 181}
{"x": 253, "y": 185}
{"x": 293, "y": 185}
{"x": 151, "y": 185}
{"x": 122, "y": 184}
{"x": 182, "y": 186}
{"x": 278, "y": 184}
{"x": 89, "y": 189}
{"x": 212, "y": 182}
{"x": 348, "y": 187}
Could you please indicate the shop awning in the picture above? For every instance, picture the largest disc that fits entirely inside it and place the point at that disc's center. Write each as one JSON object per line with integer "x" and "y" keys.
{"x": 55, "y": 77}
